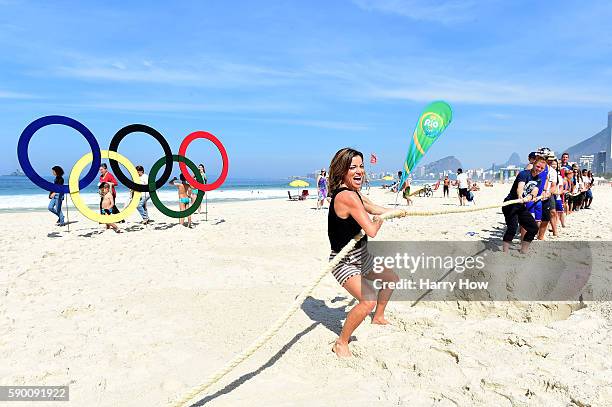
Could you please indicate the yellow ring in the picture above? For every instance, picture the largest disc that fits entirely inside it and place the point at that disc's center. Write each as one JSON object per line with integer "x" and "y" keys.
{"x": 73, "y": 184}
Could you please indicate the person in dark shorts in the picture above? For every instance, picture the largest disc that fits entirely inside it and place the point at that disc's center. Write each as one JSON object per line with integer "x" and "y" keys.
{"x": 445, "y": 187}
{"x": 106, "y": 176}
{"x": 107, "y": 203}
{"x": 464, "y": 185}
{"x": 589, "y": 192}
{"x": 525, "y": 187}
{"x": 548, "y": 202}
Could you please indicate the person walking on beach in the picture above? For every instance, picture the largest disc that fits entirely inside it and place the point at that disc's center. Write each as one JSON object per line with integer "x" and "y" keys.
{"x": 405, "y": 188}
{"x": 321, "y": 189}
{"x": 525, "y": 186}
{"x": 56, "y": 199}
{"x": 144, "y": 197}
{"x": 348, "y": 215}
{"x": 445, "y": 192}
{"x": 106, "y": 176}
{"x": 463, "y": 183}
{"x": 107, "y": 203}
{"x": 184, "y": 193}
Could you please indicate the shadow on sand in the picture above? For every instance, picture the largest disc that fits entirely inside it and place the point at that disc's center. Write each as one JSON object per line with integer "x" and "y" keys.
{"x": 317, "y": 311}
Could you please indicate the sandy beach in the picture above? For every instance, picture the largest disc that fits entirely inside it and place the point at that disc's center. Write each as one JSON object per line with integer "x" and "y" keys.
{"x": 139, "y": 318}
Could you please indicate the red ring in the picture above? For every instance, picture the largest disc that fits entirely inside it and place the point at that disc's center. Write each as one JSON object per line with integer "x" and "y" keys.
{"x": 192, "y": 181}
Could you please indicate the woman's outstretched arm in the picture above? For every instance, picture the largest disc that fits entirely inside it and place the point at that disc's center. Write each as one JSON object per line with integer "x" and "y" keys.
{"x": 372, "y": 208}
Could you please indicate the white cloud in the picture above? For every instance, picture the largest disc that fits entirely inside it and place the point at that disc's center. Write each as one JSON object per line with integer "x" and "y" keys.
{"x": 206, "y": 73}
{"x": 147, "y": 106}
{"x": 443, "y": 11}
{"x": 493, "y": 93}
{"x": 323, "y": 124}
{"x": 15, "y": 95}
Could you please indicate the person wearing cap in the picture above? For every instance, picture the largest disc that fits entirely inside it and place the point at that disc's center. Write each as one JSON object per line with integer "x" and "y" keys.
{"x": 540, "y": 209}
{"x": 525, "y": 188}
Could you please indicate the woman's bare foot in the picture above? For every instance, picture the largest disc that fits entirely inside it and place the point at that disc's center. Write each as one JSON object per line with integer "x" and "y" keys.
{"x": 380, "y": 321}
{"x": 341, "y": 350}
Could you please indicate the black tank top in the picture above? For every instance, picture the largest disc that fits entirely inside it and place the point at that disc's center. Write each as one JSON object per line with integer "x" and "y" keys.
{"x": 341, "y": 231}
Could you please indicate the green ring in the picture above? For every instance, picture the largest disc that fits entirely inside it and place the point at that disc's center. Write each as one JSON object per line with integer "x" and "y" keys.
{"x": 155, "y": 199}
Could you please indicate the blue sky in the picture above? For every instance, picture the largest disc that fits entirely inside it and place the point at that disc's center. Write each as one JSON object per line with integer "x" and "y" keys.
{"x": 284, "y": 84}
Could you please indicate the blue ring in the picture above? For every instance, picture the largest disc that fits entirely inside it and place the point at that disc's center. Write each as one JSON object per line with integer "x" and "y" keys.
{"x": 24, "y": 159}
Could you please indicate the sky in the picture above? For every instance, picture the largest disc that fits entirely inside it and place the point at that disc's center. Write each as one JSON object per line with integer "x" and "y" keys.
{"x": 285, "y": 84}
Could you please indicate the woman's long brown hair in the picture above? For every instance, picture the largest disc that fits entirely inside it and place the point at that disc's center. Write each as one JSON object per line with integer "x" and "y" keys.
{"x": 340, "y": 165}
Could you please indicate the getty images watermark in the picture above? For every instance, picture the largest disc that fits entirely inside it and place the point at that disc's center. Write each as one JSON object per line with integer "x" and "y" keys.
{"x": 480, "y": 271}
{"x": 406, "y": 263}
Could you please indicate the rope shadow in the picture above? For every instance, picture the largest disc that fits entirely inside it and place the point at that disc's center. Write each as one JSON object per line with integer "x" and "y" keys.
{"x": 244, "y": 378}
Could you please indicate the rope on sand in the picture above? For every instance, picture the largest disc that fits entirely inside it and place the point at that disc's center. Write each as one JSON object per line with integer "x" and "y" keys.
{"x": 300, "y": 299}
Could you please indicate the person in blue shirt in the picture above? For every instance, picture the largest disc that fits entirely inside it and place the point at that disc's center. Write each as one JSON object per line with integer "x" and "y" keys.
{"x": 525, "y": 187}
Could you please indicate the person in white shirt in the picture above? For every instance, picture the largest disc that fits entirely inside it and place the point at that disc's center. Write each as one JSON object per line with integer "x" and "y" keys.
{"x": 463, "y": 184}
{"x": 144, "y": 197}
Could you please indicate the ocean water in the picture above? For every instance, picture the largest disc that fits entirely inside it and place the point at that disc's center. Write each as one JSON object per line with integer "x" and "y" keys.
{"x": 18, "y": 193}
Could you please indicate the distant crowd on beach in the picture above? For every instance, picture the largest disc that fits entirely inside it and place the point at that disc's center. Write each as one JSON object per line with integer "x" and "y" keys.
{"x": 108, "y": 195}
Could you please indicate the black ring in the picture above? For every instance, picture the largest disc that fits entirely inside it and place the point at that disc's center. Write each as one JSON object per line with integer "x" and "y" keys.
{"x": 142, "y": 128}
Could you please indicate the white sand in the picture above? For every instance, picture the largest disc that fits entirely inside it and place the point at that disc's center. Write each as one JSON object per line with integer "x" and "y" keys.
{"x": 139, "y": 318}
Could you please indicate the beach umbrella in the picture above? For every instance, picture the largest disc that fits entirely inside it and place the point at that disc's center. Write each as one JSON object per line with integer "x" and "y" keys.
{"x": 430, "y": 126}
{"x": 298, "y": 183}
{"x": 387, "y": 178}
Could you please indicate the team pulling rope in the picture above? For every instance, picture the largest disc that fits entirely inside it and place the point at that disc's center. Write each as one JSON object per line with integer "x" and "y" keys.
{"x": 300, "y": 299}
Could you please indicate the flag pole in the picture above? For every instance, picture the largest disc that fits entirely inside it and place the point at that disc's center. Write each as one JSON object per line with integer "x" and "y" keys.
{"x": 68, "y": 211}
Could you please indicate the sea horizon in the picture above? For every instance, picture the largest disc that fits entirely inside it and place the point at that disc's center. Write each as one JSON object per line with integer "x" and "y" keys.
{"x": 18, "y": 193}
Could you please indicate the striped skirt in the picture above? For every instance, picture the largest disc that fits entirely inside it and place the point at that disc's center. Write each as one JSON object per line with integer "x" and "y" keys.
{"x": 357, "y": 262}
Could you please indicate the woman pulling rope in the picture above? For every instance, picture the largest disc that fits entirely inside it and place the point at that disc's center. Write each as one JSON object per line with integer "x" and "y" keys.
{"x": 348, "y": 215}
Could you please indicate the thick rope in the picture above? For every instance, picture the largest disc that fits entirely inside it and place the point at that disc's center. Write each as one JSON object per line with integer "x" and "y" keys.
{"x": 300, "y": 299}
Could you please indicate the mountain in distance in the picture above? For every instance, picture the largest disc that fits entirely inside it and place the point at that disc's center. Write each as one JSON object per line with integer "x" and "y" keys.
{"x": 514, "y": 160}
{"x": 449, "y": 163}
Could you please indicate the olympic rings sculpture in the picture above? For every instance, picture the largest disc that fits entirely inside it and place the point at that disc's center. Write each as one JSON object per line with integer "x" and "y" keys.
{"x": 75, "y": 185}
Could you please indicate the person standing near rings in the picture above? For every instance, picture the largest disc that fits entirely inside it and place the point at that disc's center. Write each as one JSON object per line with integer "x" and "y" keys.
{"x": 184, "y": 193}
{"x": 108, "y": 201}
{"x": 144, "y": 197}
{"x": 106, "y": 176}
{"x": 56, "y": 199}
{"x": 194, "y": 191}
